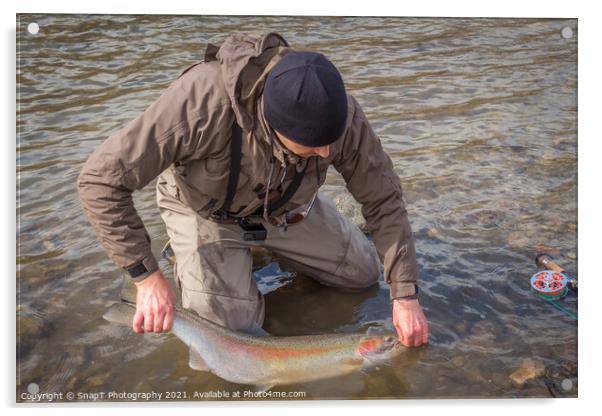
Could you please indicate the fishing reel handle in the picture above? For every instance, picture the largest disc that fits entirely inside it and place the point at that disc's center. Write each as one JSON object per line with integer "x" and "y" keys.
{"x": 546, "y": 262}
{"x": 543, "y": 260}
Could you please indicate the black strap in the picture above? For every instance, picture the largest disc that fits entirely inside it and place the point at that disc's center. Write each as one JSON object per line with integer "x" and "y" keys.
{"x": 290, "y": 191}
{"x": 235, "y": 157}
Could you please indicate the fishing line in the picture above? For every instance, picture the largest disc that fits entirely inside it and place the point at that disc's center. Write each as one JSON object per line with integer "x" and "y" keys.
{"x": 561, "y": 308}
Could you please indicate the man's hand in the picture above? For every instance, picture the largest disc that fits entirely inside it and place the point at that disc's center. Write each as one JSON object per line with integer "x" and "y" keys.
{"x": 154, "y": 304}
{"x": 410, "y": 322}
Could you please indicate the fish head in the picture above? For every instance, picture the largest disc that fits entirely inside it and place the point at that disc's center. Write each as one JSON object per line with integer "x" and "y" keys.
{"x": 381, "y": 347}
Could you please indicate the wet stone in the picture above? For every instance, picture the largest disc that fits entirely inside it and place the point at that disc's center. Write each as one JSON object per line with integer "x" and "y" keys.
{"x": 561, "y": 379}
{"x": 473, "y": 373}
{"x": 351, "y": 209}
{"x": 518, "y": 239}
{"x": 528, "y": 370}
{"x": 485, "y": 218}
{"x": 570, "y": 366}
{"x": 31, "y": 326}
{"x": 483, "y": 329}
{"x": 551, "y": 250}
{"x": 99, "y": 379}
{"x": 458, "y": 361}
{"x": 434, "y": 233}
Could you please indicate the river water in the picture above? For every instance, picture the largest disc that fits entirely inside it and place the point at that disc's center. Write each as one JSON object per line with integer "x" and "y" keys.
{"x": 480, "y": 119}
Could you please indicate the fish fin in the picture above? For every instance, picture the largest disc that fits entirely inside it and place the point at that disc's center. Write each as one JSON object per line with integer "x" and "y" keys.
{"x": 263, "y": 387}
{"x": 376, "y": 330}
{"x": 372, "y": 330}
{"x": 120, "y": 313}
{"x": 255, "y": 330}
{"x": 128, "y": 290}
{"x": 196, "y": 362}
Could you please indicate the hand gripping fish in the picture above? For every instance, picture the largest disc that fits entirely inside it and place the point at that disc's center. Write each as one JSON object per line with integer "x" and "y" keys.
{"x": 266, "y": 361}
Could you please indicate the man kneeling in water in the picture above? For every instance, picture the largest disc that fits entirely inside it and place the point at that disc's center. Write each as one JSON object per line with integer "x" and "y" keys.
{"x": 241, "y": 143}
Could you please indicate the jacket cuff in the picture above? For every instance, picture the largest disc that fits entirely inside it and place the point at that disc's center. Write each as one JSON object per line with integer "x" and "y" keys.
{"x": 402, "y": 289}
{"x": 151, "y": 265}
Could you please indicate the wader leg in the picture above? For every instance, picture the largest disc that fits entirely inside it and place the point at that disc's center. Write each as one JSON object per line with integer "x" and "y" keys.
{"x": 213, "y": 267}
{"x": 327, "y": 247}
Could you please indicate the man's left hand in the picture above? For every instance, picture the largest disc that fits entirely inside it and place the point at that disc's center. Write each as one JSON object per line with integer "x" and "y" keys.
{"x": 410, "y": 322}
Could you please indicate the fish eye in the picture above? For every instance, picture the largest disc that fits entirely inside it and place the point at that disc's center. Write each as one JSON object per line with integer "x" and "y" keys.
{"x": 389, "y": 339}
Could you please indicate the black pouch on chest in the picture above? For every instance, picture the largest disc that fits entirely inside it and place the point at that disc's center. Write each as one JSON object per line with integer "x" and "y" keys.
{"x": 253, "y": 231}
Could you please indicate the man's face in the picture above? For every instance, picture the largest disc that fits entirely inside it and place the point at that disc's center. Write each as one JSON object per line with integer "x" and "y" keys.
{"x": 303, "y": 151}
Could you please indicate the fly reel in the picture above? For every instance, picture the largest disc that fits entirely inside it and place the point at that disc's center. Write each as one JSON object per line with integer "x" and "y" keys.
{"x": 550, "y": 284}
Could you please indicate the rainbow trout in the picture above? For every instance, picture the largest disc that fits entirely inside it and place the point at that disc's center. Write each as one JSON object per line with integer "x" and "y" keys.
{"x": 266, "y": 361}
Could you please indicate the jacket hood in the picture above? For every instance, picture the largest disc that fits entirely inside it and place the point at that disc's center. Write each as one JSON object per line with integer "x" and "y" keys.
{"x": 245, "y": 60}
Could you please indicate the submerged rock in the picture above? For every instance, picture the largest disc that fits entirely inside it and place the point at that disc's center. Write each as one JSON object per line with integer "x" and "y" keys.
{"x": 528, "y": 370}
{"x": 484, "y": 218}
{"x": 544, "y": 248}
{"x": 561, "y": 379}
{"x": 518, "y": 239}
{"x": 458, "y": 361}
{"x": 350, "y": 208}
{"x": 32, "y": 325}
{"x": 434, "y": 233}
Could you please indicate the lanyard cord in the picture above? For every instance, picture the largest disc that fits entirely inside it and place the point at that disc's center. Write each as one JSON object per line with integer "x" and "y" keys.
{"x": 267, "y": 190}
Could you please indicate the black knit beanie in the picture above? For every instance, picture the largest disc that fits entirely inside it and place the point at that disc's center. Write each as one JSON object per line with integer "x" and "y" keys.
{"x": 304, "y": 99}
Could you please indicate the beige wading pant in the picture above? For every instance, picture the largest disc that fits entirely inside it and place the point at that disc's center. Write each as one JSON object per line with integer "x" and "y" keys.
{"x": 214, "y": 264}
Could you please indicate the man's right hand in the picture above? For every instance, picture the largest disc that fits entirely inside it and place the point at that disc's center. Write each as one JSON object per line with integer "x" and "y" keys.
{"x": 154, "y": 304}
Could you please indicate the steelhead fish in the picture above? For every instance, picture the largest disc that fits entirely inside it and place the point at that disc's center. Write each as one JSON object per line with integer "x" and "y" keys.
{"x": 266, "y": 361}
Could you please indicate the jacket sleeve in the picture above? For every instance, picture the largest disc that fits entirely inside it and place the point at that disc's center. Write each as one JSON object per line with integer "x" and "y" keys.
{"x": 172, "y": 129}
{"x": 371, "y": 179}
